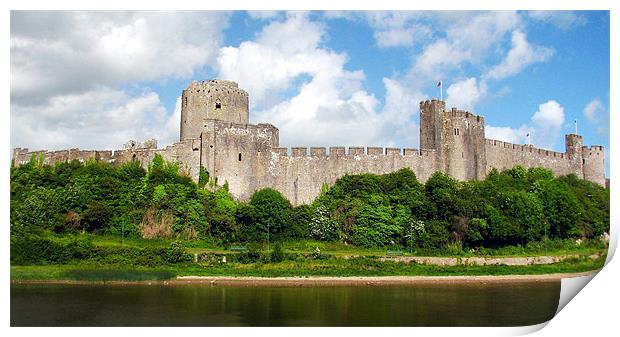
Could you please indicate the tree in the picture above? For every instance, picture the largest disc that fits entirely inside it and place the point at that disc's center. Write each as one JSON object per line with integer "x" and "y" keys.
{"x": 561, "y": 208}
{"x": 322, "y": 227}
{"x": 379, "y": 224}
{"x": 272, "y": 212}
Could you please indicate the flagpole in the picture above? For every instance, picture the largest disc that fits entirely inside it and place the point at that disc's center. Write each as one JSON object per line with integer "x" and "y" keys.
{"x": 441, "y": 90}
{"x": 576, "y": 127}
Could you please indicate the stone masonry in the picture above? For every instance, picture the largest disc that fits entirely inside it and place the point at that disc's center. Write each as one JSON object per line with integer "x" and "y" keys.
{"x": 216, "y": 135}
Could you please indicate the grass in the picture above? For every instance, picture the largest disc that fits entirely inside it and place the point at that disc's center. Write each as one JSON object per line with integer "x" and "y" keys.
{"x": 339, "y": 249}
{"x": 331, "y": 267}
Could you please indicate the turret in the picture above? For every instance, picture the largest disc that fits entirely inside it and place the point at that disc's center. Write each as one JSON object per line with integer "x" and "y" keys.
{"x": 574, "y": 144}
{"x": 214, "y": 99}
{"x": 431, "y": 118}
{"x": 594, "y": 164}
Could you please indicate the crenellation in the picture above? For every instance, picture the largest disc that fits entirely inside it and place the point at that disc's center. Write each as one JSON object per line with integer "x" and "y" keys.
{"x": 318, "y": 152}
{"x": 375, "y": 151}
{"x": 299, "y": 152}
{"x": 411, "y": 152}
{"x": 356, "y": 151}
{"x": 393, "y": 151}
{"x": 337, "y": 151}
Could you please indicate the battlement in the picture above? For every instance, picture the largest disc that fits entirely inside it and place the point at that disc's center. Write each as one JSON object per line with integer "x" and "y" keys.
{"x": 524, "y": 148}
{"x": 594, "y": 148}
{"x": 215, "y": 86}
{"x": 341, "y": 151}
{"x": 432, "y": 102}
{"x": 470, "y": 117}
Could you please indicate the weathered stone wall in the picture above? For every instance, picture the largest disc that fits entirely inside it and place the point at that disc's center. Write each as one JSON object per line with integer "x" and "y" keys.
{"x": 185, "y": 153}
{"x": 300, "y": 176}
{"x": 504, "y": 155}
{"x": 594, "y": 164}
{"x": 462, "y": 141}
{"x": 237, "y": 154}
{"x": 22, "y": 156}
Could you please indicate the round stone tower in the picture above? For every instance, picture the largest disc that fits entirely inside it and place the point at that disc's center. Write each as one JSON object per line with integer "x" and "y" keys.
{"x": 214, "y": 99}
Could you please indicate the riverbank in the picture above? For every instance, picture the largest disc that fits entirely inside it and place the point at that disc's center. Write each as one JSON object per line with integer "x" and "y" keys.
{"x": 313, "y": 281}
{"x": 340, "y": 268}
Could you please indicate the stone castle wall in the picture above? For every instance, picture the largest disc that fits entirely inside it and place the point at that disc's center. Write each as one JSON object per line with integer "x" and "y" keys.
{"x": 216, "y": 135}
{"x": 504, "y": 155}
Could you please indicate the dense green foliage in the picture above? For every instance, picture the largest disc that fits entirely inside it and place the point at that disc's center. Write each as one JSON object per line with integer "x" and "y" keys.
{"x": 515, "y": 207}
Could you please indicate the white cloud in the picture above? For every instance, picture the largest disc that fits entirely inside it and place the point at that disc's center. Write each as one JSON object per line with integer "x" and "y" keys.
{"x": 560, "y": 19}
{"x": 98, "y": 119}
{"x": 398, "y": 28}
{"x": 544, "y": 129}
{"x": 508, "y": 134}
{"x": 281, "y": 53}
{"x": 469, "y": 37}
{"x": 60, "y": 53}
{"x": 549, "y": 115}
{"x": 593, "y": 109}
{"x": 326, "y": 104}
{"x": 263, "y": 15}
{"x": 466, "y": 93}
{"x": 521, "y": 54}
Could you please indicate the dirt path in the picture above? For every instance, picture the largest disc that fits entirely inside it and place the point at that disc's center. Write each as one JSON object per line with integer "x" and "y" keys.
{"x": 485, "y": 261}
{"x": 313, "y": 281}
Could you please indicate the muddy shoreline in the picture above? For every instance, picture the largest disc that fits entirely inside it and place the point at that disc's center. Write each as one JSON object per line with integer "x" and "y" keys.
{"x": 313, "y": 281}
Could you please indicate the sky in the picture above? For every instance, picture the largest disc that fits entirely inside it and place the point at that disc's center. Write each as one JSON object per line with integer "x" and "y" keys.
{"x": 94, "y": 80}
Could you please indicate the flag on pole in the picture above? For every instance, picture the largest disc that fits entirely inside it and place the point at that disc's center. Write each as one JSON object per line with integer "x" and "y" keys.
{"x": 439, "y": 84}
{"x": 576, "y": 127}
{"x": 440, "y": 90}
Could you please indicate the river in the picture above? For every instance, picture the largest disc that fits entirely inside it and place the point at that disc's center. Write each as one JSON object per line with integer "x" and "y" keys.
{"x": 489, "y": 304}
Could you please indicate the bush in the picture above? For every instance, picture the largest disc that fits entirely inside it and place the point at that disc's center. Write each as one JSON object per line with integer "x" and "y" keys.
{"x": 277, "y": 255}
{"x": 96, "y": 217}
{"x": 322, "y": 227}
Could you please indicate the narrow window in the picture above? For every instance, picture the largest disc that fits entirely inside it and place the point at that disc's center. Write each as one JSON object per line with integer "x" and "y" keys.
{"x": 239, "y": 156}
{"x": 185, "y": 100}
{"x": 218, "y": 105}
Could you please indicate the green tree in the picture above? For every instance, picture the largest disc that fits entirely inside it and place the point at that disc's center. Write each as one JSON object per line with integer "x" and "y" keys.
{"x": 272, "y": 213}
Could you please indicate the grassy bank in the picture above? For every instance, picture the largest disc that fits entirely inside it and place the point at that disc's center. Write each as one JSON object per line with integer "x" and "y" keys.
{"x": 548, "y": 248}
{"x": 329, "y": 267}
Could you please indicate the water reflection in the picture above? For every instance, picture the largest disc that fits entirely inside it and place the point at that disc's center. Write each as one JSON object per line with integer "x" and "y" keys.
{"x": 204, "y": 305}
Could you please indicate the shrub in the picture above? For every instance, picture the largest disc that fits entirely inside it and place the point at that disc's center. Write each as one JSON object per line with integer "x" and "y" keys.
{"x": 277, "y": 255}
{"x": 156, "y": 225}
{"x": 322, "y": 227}
{"x": 96, "y": 217}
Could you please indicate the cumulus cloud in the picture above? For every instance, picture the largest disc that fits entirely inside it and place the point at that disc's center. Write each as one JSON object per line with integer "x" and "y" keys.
{"x": 466, "y": 93}
{"x": 398, "y": 28}
{"x": 521, "y": 54}
{"x": 508, "y": 134}
{"x": 59, "y": 53}
{"x": 97, "y": 119}
{"x": 282, "y": 51}
{"x": 560, "y": 19}
{"x": 326, "y": 103}
{"x": 468, "y": 38}
{"x": 593, "y": 109}
{"x": 544, "y": 128}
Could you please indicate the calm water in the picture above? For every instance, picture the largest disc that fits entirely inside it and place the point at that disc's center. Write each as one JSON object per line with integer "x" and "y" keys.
{"x": 203, "y": 305}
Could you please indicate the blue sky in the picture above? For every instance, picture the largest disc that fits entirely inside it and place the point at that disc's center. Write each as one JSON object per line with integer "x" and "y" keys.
{"x": 97, "y": 79}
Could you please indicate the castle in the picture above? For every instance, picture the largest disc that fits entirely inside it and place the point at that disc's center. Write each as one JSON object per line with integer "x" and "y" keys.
{"x": 216, "y": 135}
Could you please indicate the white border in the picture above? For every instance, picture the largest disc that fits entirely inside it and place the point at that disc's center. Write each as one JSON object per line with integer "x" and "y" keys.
{"x": 591, "y": 312}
